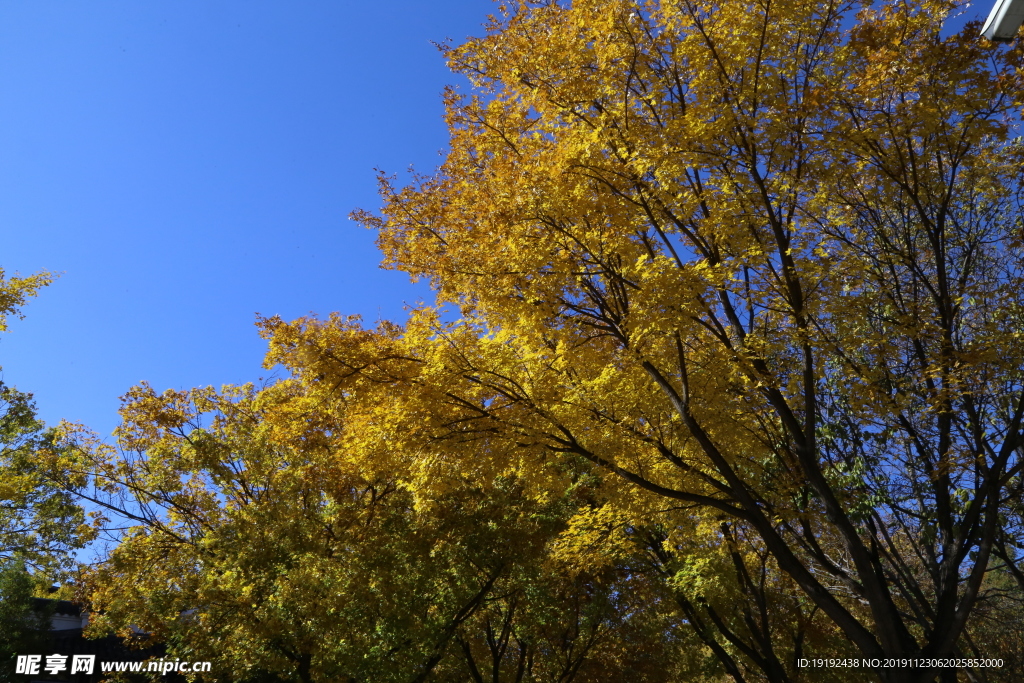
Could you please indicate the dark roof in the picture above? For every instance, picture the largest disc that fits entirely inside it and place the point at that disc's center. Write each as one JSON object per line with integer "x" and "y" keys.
{"x": 60, "y": 606}
{"x": 71, "y": 642}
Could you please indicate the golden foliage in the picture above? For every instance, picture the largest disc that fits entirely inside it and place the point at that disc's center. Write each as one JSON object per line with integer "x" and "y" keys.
{"x": 760, "y": 261}
{"x": 736, "y": 378}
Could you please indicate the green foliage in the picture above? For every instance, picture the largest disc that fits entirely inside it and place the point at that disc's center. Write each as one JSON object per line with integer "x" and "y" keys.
{"x": 39, "y": 521}
{"x": 25, "y": 631}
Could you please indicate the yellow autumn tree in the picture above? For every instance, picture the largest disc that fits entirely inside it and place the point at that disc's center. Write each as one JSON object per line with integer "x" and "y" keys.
{"x": 15, "y": 291}
{"x": 40, "y": 523}
{"x": 427, "y": 402}
{"x": 759, "y": 262}
{"x": 285, "y": 533}
{"x": 736, "y": 379}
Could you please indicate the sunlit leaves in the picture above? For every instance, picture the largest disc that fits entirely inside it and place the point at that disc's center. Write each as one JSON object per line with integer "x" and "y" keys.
{"x": 758, "y": 261}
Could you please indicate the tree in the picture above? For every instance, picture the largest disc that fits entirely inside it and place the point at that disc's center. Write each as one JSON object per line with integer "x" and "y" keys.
{"x": 759, "y": 261}
{"x": 728, "y": 608}
{"x": 39, "y": 521}
{"x": 26, "y": 631}
{"x": 279, "y": 533}
{"x": 15, "y": 291}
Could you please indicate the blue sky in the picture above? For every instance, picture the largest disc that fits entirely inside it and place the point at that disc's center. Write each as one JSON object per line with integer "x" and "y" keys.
{"x": 186, "y": 165}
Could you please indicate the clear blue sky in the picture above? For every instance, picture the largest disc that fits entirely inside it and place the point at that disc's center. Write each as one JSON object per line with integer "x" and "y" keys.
{"x": 188, "y": 164}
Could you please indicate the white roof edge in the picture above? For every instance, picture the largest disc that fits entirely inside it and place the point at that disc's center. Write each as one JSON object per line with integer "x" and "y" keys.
{"x": 1004, "y": 21}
